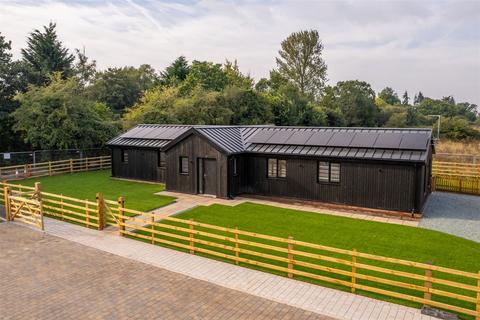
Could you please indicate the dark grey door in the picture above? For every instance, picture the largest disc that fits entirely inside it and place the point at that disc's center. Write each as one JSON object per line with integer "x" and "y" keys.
{"x": 209, "y": 176}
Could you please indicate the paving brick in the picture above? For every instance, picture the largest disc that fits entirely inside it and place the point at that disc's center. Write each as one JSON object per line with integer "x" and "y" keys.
{"x": 45, "y": 277}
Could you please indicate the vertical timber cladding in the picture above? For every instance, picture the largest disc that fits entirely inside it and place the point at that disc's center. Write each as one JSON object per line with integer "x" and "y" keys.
{"x": 194, "y": 147}
{"x": 142, "y": 164}
{"x": 366, "y": 184}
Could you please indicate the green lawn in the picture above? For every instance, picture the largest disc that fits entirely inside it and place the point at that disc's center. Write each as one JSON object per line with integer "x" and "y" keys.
{"x": 383, "y": 239}
{"x": 85, "y": 185}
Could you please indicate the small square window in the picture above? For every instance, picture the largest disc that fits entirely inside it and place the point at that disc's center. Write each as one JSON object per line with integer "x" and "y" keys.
{"x": 277, "y": 168}
{"x": 184, "y": 165}
{"x": 124, "y": 156}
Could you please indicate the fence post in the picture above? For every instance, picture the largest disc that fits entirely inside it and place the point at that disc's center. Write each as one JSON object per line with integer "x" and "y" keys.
{"x": 49, "y": 168}
{"x": 100, "y": 211}
{"x": 434, "y": 183}
{"x": 290, "y": 257}
{"x": 121, "y": 206}
{"x": 354, "y": 269}
{"x": 71, "y": 165}
{"x": 237, "y": 247}
{"x": 87, "y": 224}
{"x": 478, "y": 297}
{"x": 428, "y": 283}
{"x": 25, "y": 170}
{"x": 191, "y": 236}
{"x": 6, "y": 192}
{"x": 152, "y": 219}
{"x": 38, "y": 192}
{"x": 86, "y": 164}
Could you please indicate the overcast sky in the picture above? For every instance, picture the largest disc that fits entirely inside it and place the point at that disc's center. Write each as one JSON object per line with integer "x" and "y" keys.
{"x": 419, "y": 45}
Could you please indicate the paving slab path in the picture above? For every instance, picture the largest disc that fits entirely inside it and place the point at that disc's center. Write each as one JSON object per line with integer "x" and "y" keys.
{"x": 46, "y": 277}
{"x": 308, "y": 297}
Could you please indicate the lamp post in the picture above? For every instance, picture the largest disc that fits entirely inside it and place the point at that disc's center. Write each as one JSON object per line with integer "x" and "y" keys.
{"x": 438, "y": 126}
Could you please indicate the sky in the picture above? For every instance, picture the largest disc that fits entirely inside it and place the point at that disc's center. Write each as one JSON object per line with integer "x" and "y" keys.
{"x": 428, "y": 46}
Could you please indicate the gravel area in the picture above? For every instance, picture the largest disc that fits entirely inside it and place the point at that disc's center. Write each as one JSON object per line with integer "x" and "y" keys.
{"x": 457, "y": 214}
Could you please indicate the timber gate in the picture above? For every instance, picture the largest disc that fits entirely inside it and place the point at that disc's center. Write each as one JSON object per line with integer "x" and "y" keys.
{"x": 25, "y": 207}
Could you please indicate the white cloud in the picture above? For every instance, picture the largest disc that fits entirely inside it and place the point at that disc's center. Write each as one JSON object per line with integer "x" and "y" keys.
{"x": 429, "y": 46}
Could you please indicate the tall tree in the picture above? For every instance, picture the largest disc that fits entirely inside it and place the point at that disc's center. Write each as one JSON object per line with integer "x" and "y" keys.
{"x": 405, "y": 98}
{"x": 121, "y": 88}
{"x": 176, "y": 72}
{"x": 61, "y": 116}
{"x": 418, "y": 98}
{"x": 204, "y": 74}
{"x": 45, "y": 54}
{"x": 355, "y": 100}
{"x": 389, "y": 96}
{"x": 301, "y": 62}
{"x": 84, "y": 68}
{"x": 12, "y": 80}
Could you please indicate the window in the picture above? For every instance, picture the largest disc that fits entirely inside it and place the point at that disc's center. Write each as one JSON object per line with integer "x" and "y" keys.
{"x": 184, "y": 165}
{"x": 328, "y": 171}
{"x": 282, "y": 168}
{"x": 235, "y": 169}
{"x": 124, "y": 156}
{"x": 277, "y": 168}
{"x": 160, "y": 159}
{"x": 323, "y": 171}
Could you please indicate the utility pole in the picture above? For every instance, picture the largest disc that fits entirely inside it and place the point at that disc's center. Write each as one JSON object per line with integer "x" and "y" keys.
{"x": 438, "y": 124}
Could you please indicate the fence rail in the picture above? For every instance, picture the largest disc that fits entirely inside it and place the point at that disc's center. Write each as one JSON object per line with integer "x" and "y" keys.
{"x": 54, "y": 167}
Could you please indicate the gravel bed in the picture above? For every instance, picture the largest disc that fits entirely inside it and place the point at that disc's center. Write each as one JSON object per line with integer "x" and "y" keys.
{"x": 457, "y": 214}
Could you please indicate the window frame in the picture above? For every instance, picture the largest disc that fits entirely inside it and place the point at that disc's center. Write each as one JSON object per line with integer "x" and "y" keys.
{"x": 275, "y": 173}
{"x": 180, "y": 169}
{"x": 330, "y": 180}
{"x": 124, "y": 153}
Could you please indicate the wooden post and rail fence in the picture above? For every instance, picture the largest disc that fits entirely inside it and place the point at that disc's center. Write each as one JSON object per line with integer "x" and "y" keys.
{"x": 50, "y": 168}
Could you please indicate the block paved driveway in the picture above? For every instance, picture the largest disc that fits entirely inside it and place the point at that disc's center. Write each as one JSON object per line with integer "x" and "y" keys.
{"x": 45, "y": 277}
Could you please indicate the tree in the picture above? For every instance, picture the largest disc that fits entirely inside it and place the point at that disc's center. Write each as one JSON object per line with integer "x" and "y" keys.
{"x": 235, "y": 77}
{"x": 155, "y": 106}
{"x": 406, "y": 98}
{"x": 418, "y": 98}
{"x": 61, "y": 116}
{"x": 458, "y": 128}
{"x": 176, "y": 72}
{"x": 45, "y": 54}
{"x": 246, "y": 105}
{"x": 84, "y": 69}
{"x": 12, "y": 80}
{"x": 355, "y": 100}
{"x": 389, "y": 96}
{"x": 121, "y": 88}
{"x": 301, "y": 62}
{"x": 207, "y": 75}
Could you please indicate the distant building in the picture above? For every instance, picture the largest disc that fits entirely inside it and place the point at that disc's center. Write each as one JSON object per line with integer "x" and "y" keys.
{"x": 378, "y": 168}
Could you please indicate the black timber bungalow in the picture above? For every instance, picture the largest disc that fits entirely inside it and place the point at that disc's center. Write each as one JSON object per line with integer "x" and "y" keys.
{"x": 379, "y": 168}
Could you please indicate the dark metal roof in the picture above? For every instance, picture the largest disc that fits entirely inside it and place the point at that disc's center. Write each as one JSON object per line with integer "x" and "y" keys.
{"x": 149, "y": 135}
{"x": 409, "y": 144}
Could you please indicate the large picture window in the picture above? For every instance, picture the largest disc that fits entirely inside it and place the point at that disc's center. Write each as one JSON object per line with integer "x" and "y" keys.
{"x": 184, "y": 165}
{"x": 277, "y": 168}
{"x": 328, "y": 171}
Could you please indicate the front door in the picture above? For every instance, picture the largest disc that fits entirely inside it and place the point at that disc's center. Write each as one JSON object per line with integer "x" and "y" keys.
{"x": 207, "y": 176}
